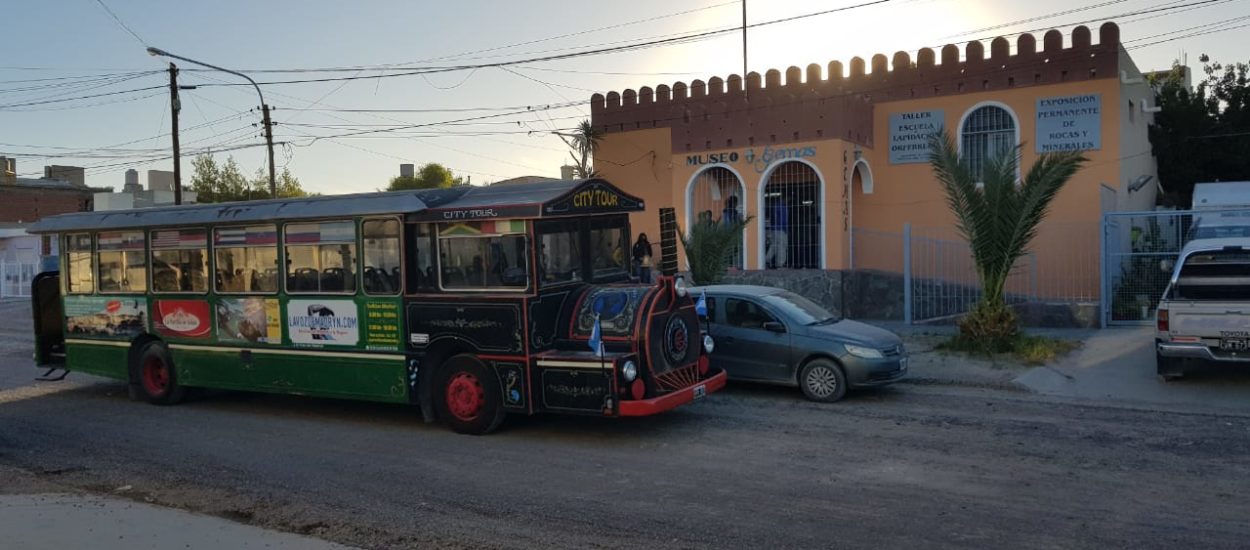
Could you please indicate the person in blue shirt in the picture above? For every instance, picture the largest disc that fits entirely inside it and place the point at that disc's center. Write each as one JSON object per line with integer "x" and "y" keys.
{"x": 777, "y": 226}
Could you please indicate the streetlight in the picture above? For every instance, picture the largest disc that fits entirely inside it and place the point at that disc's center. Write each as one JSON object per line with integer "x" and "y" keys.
{"x": 273, "y": 186}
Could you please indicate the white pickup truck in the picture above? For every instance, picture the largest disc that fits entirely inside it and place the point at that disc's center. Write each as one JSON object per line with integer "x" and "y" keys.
{"x": 1204, "y": 314}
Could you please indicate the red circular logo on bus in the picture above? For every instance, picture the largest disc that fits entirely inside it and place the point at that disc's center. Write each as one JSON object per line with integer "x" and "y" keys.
{"x": 676, "y": 339}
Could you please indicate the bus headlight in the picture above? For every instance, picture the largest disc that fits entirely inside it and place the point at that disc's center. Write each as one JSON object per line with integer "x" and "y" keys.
{"x": 679, "y": 285}
{"x": 630, "y": 371}
{"x": 708, "y": 343}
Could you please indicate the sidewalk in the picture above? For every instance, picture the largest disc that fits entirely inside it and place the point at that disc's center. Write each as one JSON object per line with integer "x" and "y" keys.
{"x": 42, "y": 517}
{"x": 1113, "y": 364}
{"x": 931, "y": 366}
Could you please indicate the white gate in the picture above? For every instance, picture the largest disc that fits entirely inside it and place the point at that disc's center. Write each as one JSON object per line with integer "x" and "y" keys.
{"x": 15, "y": 278}
{"x": 1138, "y": 247}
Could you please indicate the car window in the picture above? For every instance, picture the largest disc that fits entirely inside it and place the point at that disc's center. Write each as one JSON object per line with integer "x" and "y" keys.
{"x": 745, "y": 314}
{"x": 711, "y": 308}
{"x": 800, "y": 309}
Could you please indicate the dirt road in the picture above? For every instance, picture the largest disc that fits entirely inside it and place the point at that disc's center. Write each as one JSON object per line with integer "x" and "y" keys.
{"x": 752, "y": 467}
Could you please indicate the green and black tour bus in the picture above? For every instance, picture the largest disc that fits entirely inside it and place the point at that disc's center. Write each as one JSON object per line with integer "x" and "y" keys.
{"x": 470, "y": 302}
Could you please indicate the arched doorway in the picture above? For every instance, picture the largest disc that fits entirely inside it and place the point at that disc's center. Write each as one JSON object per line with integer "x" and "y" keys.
{"x": 715, "y": 194}
{"x": 791, "y": 212}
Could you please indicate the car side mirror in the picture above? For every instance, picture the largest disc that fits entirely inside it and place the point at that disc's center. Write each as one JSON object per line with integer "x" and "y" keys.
{"x": 774, "y": 326}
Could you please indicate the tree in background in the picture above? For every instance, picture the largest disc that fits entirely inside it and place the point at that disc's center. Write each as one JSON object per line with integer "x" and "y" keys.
{"x": 584, "y": 141}
{"x": 1201, "y": 135}
{"x": 212, "y": 182}
{"x": 431, "y": 176}
{"x": 999, "y": 216}
{"x": 287, "y": 185}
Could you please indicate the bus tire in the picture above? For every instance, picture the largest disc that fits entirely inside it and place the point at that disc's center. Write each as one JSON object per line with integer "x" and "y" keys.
{"x": 155, "y": 377}
{"x": 467, "y": 396}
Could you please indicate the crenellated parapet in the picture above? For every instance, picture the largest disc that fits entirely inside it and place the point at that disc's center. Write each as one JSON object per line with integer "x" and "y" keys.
{"x": 836, "y": 101}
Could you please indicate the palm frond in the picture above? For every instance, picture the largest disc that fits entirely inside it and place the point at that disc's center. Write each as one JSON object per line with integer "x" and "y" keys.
{"x": 1002, "y": 215}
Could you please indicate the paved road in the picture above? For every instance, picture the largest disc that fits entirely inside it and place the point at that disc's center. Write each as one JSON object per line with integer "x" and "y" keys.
{"x": 751, "y": 467}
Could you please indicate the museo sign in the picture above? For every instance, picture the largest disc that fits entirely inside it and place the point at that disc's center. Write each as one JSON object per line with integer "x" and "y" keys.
{"x": 1069, "y": 123}
{"x": 910, "y": 133}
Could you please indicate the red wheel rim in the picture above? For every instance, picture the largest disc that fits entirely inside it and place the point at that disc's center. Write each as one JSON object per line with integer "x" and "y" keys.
{"x": 465, "y": 396}
{"x": 155, "y": 376}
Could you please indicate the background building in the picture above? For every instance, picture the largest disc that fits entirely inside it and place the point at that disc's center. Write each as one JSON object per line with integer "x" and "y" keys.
{"x": 836, "y": 158}
{"x": 160, "y": 192}
{"x": 24, "y": 201}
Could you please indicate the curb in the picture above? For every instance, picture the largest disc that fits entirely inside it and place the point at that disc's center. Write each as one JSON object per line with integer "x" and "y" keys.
{"x": 1009, "y": 385}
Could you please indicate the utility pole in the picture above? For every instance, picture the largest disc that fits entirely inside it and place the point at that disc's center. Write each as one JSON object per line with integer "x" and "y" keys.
{"x": 273, "y": 186}
{"x": 744, "y": 48}
{"x": 175, "y": 105}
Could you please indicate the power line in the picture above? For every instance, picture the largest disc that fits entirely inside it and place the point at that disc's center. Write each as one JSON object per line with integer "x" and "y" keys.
{"x": 47, "y": 101}
{"x": 121, "y": 23}
{"x": 1205, "y": 26}
{"x": 692, "y": 37}
{"x": 64, "y": 82}
{"x": 1190, "y": 35}
{"x": 87, "y": 105}
{"x": 1034, "y": 19}
{"x": 579, "y": 33}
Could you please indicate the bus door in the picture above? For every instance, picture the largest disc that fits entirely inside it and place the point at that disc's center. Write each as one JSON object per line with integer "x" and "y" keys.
{"x": 45, "y": 296}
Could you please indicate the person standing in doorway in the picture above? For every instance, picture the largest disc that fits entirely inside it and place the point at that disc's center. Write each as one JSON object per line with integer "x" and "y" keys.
{"x": 731, "y": 214}
{"x": 642, "y": 259}
{"x": 777, "y": 253}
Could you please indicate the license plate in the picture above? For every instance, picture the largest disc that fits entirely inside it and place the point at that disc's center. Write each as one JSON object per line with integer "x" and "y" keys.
{"x": 700, "y": 391}
{"x": 1234, "y": 344}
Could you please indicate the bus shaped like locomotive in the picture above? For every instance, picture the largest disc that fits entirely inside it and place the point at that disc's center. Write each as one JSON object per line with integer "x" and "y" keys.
{"x": 470, "y": 302}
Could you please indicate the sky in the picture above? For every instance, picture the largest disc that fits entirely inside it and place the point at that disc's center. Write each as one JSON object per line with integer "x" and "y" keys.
{"x": 488, "y": 123}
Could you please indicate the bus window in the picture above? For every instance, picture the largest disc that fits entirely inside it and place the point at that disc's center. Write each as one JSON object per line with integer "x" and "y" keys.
{"x": 484, "y": 255}
{"x": 79, "y": 277}
{"x": 608, "y": 245}
{"x": 381, "y": 256}
{"x": 122, "y": 264}
{"x": 559, "y": 252}
{"x": 321, "y": 257}
{"x": 421, "y": 275}
{"x": 246, "y": 259}
{"x": 180, "y": 260}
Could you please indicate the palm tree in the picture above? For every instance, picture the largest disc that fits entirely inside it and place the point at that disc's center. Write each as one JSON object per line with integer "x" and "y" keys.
{"x": 583, "y": 141}
{"x": 710, "y": 248}
{"x": 999, "y": 216}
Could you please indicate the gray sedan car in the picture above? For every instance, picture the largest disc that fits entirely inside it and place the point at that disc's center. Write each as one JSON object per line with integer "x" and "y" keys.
{"x": 765, "y": 334}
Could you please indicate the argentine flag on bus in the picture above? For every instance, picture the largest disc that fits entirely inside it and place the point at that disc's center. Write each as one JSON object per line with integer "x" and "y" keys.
{"x": 596, "y": 338}
{"x": 700, "y": 307}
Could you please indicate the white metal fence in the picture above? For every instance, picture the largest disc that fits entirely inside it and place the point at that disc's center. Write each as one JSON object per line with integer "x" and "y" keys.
{"x": 15, "y": 278}
{"x": 940, "y": 278}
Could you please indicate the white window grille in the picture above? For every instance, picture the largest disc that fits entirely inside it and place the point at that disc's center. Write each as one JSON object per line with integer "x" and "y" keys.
{"x": 716, "y": 195}
{"x": 792, "y": 218}
{"x": 988, "y": 131}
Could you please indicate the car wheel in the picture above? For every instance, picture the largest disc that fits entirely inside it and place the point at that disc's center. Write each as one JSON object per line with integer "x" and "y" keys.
{"x": 156, "y": 378}
{"x": 1169, "y": 368}
{"x": 468, "y": 396}
{"x": 822, "y": 380}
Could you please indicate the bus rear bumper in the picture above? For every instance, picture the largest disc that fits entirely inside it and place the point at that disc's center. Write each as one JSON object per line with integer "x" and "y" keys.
{"x": 646, "y": 407}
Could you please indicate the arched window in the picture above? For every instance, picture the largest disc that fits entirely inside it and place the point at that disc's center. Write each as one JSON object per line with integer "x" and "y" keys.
{"x": 792, "y": 217}
{"x": 987, "y": 131}
{"x": 716, "y": 195}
